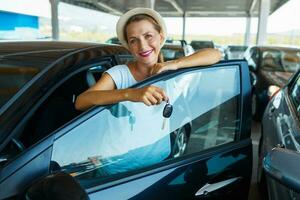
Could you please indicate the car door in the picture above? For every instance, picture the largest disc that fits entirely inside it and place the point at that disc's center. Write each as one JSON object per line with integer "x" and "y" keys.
{"x": 282, "y": 117}
{"x": 130, "y": 151}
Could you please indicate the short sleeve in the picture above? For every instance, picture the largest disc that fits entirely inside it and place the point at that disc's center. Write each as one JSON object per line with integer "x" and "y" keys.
{"x": 122, "y": 76}
{"x": 116, "y": 74}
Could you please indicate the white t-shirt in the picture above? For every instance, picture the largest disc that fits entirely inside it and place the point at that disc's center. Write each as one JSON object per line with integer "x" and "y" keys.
{"x": 122, "y": 76}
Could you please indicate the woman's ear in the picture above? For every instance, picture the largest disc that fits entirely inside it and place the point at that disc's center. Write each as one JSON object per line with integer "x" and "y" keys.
{"x": 162, "y": 38}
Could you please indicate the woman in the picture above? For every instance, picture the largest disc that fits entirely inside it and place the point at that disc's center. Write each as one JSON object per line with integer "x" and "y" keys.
{"x": 143, "y": 32}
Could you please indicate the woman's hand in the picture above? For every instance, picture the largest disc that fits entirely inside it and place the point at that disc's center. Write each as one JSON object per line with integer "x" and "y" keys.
{"x": 160, "y": 67}
{"x": 149, "y": 95}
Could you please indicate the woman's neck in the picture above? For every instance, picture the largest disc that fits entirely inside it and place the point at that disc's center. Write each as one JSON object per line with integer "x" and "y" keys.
{"x": 139, "y": 71}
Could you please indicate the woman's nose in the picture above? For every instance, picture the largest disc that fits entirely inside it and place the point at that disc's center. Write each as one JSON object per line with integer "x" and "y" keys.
{"x": 142, "y": 44}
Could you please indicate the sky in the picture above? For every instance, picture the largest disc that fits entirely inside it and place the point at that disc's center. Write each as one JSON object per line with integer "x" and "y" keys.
{"x": 284, "y": 19}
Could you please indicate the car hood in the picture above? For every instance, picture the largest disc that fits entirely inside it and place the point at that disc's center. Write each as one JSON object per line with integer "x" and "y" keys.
{"x": 277, "y": 78}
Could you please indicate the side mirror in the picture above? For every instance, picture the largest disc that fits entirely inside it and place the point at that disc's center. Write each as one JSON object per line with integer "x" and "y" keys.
{"x": 58, "y": 186}
{"x": 283, "y": 165}
{"x": 252, "y": 67}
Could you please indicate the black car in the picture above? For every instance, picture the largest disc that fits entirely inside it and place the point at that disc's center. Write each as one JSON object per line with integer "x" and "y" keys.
{"x": 269, "y": 65}
{"x": 235, "y": 52}
{"x": 281, "y": 128}
{"x": 201, "y": 44}
{"x": 126, "y": 150}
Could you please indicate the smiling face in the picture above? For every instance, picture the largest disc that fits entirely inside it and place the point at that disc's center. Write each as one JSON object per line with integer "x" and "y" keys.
{"x": 144, "y": 41}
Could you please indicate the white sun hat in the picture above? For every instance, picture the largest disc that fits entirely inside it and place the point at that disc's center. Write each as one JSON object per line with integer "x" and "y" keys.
{"x": 146, "y": 11}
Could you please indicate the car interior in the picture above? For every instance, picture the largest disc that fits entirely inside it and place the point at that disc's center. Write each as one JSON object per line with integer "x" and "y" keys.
{"x": 54, "y": 112}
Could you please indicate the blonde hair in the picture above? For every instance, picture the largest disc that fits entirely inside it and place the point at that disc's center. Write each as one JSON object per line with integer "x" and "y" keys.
{"x": 140, "y": 17}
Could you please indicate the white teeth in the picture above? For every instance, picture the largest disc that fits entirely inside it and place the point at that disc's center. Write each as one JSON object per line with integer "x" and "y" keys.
{"x": 146, "y": 53}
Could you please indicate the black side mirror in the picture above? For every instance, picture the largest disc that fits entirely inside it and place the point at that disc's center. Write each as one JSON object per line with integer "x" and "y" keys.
{"x": 283, "y": 165}
{"x": 58, "y": 186}
{"x": 252, "y": 68}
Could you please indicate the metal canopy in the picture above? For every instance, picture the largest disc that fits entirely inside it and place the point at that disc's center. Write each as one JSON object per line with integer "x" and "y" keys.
{"x": 176, "y": 8}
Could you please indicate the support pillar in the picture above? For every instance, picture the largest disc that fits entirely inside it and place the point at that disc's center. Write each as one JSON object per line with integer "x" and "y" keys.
{"x": 264, "y": 10}
{"x": 54, "y": 19}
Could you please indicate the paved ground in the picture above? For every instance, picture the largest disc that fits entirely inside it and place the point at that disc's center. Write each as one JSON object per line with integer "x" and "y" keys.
{"x": 255, "y": 135}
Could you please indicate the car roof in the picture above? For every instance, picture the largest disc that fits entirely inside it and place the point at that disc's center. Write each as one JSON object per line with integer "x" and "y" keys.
{"x": 264, "y": 48}
{"x": 172, "y": 46}
{"x": 41, "y": 53}
{"x": 7, "y": 48}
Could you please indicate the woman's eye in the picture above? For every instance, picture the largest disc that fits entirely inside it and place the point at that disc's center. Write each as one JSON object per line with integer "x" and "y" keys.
{"x": 148, "y": 36}
{"x": 132, "y": 41}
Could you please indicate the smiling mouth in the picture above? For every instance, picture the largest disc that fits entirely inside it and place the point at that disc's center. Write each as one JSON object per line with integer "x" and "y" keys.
{"x": 146, "y": 53}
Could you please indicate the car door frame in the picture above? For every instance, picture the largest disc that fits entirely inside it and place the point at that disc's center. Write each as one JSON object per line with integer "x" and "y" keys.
{"x": 242, "y": 140}
{"x": 43, "y": 148}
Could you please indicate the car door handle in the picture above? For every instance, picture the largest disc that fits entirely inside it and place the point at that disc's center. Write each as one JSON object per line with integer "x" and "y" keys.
{"x": 208, "y": 188}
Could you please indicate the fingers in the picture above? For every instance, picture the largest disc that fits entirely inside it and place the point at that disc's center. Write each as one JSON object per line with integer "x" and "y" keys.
{"x": 162, "y": 93}
{"x": 153, "y": 95}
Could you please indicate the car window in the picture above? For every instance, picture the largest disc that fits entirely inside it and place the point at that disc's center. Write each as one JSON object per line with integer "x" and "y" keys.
{"x": 170, "y": 53}
{"x": 17, "y": 69}
{"x": 48, "y": 117}
{"x": 129, "y": 136}
{"x": 295, "y": 95}
{"x": 290, "y": 61}
{"x": 12, "y": 79}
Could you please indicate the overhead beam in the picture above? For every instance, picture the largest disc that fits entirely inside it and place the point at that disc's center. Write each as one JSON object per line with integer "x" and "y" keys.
{"x": 176, "y": 6}
{"x": 252, "y": 6}
{"x": 102, "y": 6}
{"x": 106, "y": 7}
{"x": 207, "y": 13}
{"x": 150, "y": 4}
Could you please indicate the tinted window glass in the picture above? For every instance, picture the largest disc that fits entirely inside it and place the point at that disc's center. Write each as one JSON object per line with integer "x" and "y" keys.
{"x": 171, "y": 53}
{"x": 295, "y": 95}
{"x": 277, "y": 60}
{"x": 16, "y": 69}
{"x": 130, "y": 136}
{"x": 12, "y": 79}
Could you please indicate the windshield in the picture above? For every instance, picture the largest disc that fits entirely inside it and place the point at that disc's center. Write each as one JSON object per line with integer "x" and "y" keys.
{"x": 17, "y": 69}
{"x": 13, "y": 78}
{"x": 279, "y": 60}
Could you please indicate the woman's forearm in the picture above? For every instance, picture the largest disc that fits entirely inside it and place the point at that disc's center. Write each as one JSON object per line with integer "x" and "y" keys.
{"x": 100, "y": 97}
{"x": 202, "y": 57}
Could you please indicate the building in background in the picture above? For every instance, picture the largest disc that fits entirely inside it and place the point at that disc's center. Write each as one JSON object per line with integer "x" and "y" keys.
{"x": 18, "y": 26}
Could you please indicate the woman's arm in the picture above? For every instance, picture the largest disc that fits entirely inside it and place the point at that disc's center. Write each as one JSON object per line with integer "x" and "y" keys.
{"x": 104, "y": 93}
{"x": 202, "y": 57}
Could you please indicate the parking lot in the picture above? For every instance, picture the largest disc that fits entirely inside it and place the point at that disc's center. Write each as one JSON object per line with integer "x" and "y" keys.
{"x": 149, "y": 100}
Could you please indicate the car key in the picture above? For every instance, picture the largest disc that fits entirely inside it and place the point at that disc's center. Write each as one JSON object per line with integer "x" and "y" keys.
{"x": 167, "y": 112}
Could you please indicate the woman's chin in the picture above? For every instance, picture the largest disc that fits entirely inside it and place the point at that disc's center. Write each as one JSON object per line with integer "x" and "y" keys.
{"x": 148, "y": 61}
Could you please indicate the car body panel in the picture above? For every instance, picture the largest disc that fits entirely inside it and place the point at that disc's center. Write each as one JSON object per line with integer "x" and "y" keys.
{"x": 267, "y": 65}
{"x": 280, "y": 128}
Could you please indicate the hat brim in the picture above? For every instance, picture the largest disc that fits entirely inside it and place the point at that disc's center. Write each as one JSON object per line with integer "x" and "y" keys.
{"x": 124, "y": 18}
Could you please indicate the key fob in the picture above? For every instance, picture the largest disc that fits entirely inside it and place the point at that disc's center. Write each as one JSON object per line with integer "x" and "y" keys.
{"x": 168, "y": 109}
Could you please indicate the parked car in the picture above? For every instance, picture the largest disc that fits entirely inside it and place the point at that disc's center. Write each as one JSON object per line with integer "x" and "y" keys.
{"x": 280, "y": 128}
{"x": 269, "y": 66}
{"x": 235, "y": 52}
{"x": 171, "y": 50}
{"x": 201, "y": 44}
{"x": 125, "y": 150}
{"x": 174, "y": 51}
{"x": 113, "y": 40}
